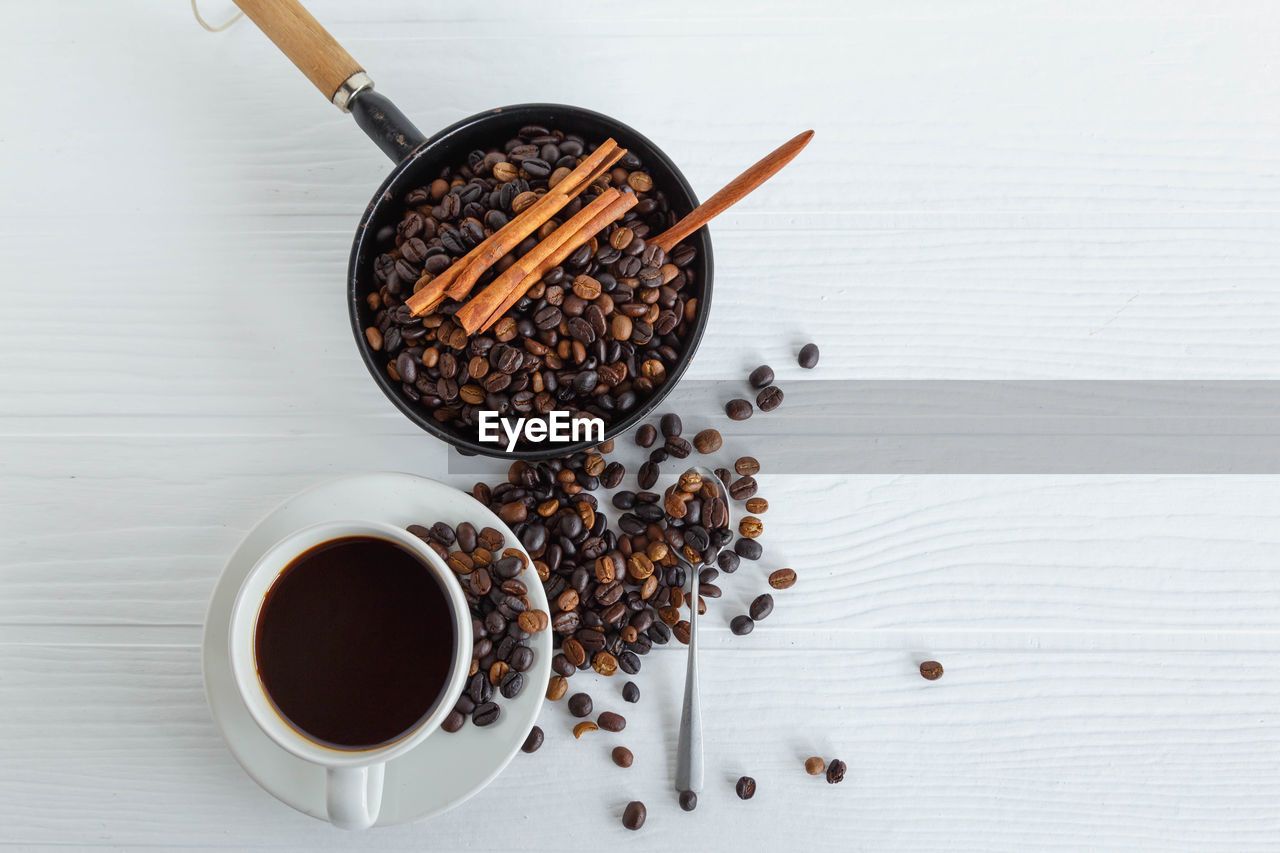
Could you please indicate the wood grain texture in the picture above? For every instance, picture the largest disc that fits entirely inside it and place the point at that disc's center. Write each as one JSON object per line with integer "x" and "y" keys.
{"x": 1063, "y": 191}
{"x": 303, "y": 39}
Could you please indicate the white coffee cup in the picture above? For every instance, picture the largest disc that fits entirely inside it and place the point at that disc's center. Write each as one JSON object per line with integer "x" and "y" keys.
{"x": 354, "y": 776}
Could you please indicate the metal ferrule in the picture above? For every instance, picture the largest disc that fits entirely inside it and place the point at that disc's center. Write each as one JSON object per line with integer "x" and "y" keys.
{"x": 350, "y": 87}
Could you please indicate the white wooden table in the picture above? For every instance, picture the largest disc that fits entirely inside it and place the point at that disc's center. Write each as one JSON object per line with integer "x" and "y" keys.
{"x": 1037, "y": 190}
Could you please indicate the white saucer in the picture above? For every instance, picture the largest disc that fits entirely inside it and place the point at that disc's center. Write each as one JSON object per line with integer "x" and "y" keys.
{"x": 446, "y": 768}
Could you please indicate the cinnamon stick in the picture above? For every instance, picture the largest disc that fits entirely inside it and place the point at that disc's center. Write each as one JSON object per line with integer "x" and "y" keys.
{"x": 597, "y": 223}
{"x": 457, "y": 281}
{"x": 471, "y": 315}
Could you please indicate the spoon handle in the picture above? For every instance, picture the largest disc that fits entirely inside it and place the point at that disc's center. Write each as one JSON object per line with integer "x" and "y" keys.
{"x": 732, "y": 193}
{"x": 689, "y": 748}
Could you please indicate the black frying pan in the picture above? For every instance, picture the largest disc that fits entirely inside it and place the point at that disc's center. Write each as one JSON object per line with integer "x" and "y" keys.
{"x": 419, "y": 160}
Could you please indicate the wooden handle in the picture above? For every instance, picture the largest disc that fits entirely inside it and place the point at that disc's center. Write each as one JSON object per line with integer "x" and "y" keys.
{"x": 732, "y": 193}
{"x": 301, "y": 38}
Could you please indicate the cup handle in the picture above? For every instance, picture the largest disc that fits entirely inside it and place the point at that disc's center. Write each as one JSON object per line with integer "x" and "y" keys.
{"x": 354, "y": 795}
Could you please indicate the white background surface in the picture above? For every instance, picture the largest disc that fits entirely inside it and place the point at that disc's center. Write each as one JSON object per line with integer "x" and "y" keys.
{"x": 1035, "y": 190}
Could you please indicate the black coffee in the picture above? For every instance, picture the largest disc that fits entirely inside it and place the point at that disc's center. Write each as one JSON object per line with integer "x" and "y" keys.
{"x": 354, "y": 642}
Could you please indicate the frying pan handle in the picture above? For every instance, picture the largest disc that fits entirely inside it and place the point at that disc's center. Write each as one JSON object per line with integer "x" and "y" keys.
{"x": 332, "y": 70}
{"x": 309, "y": 46}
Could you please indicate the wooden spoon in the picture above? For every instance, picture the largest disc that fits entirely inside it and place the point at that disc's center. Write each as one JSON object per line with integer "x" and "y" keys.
{"x": 732, "y": 193}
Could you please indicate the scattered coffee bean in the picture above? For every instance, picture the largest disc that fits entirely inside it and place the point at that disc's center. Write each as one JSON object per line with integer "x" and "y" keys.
{"x": 761, "y": 376}
{"x": 931, "y": 669}
{"x": 742, "y": 625}
{"x": 814, "y": 766}
{"x": 630, "y": 692}
{"x": 743, "y": 488}
{"x": 835, "y": 771}
{"x": 454, "y": 721}
{"x": 761, "y": 607}
{"x": 633, "y": 815}
{"x": 746, "y": 787}
{"x": 747, "y": 466}
{"x": 556, "y": 688}
{"x": 708, "y": 441}
{"x": 533, "y": 741}
{"x": 751, "y": 527}
{"x": 688, "y": 800}
{"x": 670, "y": 425}
{"x": 728, "y": 561}
{"x": 748, "y": 549}
{"x": 583, "y": 727}
{"x": 769, "y": 399}
{"x": 757, "y": 505}
{"x": 738, "y": 409}
{"x": 783, "y": 579}
{"x": 648, "y": 476}
{"x": 646, "y": 435}
{"x": 611, "y": 722}
{"x": 580, "y": 705}
{"x": 622, "y": 756}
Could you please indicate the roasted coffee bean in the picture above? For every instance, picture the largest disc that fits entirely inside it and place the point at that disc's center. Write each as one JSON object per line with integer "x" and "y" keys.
{"x": 633, "y": 815}
{"x": 931, "y": 669}
{"x": 708, "y": 441}
{"x": 678, "y": 446}
{"x": 533, "y": 741}
{"x": 738, "y": 409}
{"x": 648, "y": 475}
{"x": 747, "y": 466}
{"x": 742, "y": 625}
{"x": 728, "y": 561}
{"x": 646, "y": 435}
{"x": 761, "y": 376}
{"x": 761, "y": 607}
{"x": 769, "y": 399}
{"x": 583, "y": 727}
{"x": 580, "y": 705}
{"x": 630, "y": 692}
{"x": 808, "y": 357}
{"x": 757, "y": 505}
{"x": 783, "y": 579}
{"x": 486, "y": 714}
{"x": 512, "y": 684}
{"x": 835, "y": 771}
{"x": 622, "y": 756}
{"x": 611, "y": 722}
{"x": 605, "y": 663}
{"x": 671, "y": 425}
{"x": 453, "y": 722}
{"x": 745, "y": 787}
{"x": 743, "y": 488}
{"x": 751, "y": 527}
{"x": 688, "y": 800}
{"x": 814, "y": 765}
{"x": 556, "y": 688}
{"x": 748, "y": 549}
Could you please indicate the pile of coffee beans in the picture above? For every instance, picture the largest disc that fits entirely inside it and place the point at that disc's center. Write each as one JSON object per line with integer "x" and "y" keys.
{"x": 616, "y": 590}
{"x": 595, "y": 337}
{"x": 502, "y": 620}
